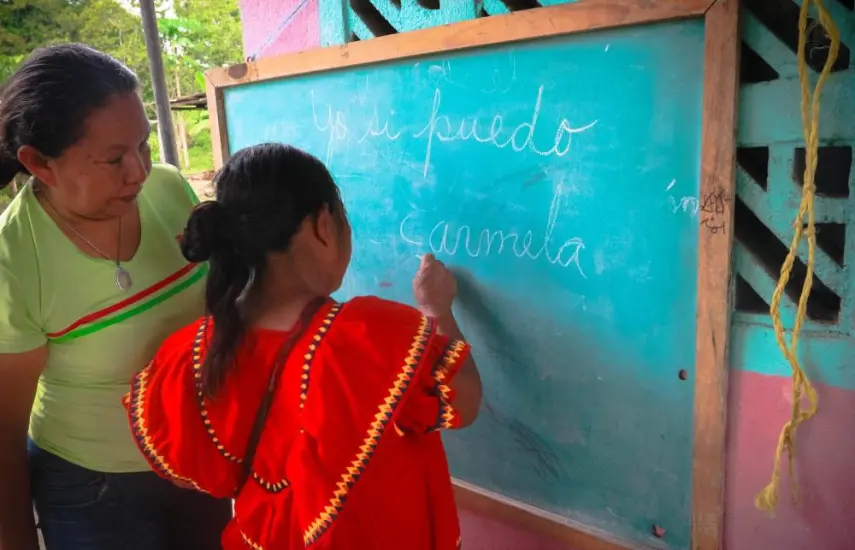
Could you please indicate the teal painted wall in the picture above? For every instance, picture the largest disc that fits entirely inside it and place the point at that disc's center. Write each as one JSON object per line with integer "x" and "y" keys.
{"x": 771, "y": 152}
{"x": 770, "y": 125}
{"x": 770, "y": 140}
{"x": 520, "y": 166}
{"x": 770, "y": 137}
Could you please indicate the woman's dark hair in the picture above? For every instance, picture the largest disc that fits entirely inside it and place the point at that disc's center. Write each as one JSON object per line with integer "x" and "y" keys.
{"x": 263, "y": 195}
{"x": 46, "y": 102}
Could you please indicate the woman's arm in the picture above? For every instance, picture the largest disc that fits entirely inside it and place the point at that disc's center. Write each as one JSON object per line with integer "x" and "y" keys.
{"x": 19, "y": 375}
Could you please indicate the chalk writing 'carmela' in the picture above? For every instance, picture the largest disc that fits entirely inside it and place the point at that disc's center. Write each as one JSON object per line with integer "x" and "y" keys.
{"x": 440, "y": 127}
{"x": 443, "y": 239}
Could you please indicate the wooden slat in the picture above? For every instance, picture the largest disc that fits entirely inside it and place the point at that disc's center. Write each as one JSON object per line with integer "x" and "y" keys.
{"x": 576, "y": 537}
{"x": 217, "y": 122}
{"x": 581, "y": 16}
{"x": 715, "y": 242}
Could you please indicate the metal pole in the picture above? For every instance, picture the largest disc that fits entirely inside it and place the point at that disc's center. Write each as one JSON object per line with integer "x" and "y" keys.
{"x": 165, "y": 128}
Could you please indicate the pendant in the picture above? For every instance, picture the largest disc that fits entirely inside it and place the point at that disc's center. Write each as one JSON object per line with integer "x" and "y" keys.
{"x": 123, "y": 279}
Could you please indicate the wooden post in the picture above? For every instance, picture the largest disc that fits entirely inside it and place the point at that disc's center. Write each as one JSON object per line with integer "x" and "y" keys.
{"x": 158, "y": 79}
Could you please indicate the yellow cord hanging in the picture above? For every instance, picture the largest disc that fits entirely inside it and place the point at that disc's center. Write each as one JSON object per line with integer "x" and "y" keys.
{"x": 767, "y": 499}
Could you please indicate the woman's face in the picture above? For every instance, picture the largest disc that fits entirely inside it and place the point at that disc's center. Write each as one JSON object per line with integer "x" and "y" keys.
{"x": 101, "y": 175}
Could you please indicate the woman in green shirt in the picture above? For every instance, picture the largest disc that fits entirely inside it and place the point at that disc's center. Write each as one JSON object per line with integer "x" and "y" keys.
{"x": 91, "y": 281}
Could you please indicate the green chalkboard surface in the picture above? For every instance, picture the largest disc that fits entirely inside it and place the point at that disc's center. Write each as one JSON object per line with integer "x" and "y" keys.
{"x": 560, "y": 178}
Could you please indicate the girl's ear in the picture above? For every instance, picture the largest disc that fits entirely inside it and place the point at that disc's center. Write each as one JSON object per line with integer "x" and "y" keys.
{"x": 325, "y": 226}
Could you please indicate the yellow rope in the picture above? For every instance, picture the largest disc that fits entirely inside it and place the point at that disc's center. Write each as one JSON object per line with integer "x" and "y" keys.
{"x": 767, "y": 499}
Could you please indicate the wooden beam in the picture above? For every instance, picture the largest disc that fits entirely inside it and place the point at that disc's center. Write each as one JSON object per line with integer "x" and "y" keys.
{"x": 217, "y": 122}
{"x": 581, "y": 16}
{"x": 715, "y": 243}
{"x": 527, "y": 518}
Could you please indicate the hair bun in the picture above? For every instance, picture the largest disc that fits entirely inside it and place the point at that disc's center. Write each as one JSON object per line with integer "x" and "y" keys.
{"x": 8, "y": 171}
{"x": 9, "y": 165}
{"x": 204, "y": 233}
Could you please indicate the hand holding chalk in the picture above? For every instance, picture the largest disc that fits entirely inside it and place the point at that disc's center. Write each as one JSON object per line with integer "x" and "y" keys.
{"x": 434, "y": 287}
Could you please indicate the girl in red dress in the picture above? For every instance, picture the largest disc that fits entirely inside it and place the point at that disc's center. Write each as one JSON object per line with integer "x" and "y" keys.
{"x": 320, "y": 418}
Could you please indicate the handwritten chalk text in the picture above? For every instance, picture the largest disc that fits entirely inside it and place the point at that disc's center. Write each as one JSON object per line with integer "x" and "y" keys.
{"x": 454, "y": 239}
{"x": 440, "y": 128}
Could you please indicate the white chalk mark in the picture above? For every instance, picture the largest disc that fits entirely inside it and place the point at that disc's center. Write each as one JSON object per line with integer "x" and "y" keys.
{"x": 403, "y": 234}
{"x": 687, "y": 204}
{"x": 443, "y": 72}
{"x": 453, "y": 239}
{"x": 335, "y": 126}
{"x": 497, "y": 74}
{"x": 439, "y": 128}
{"x": 374, "y": 129}
{"x": 468, "y": 130}
{"x": 690, "y": 205}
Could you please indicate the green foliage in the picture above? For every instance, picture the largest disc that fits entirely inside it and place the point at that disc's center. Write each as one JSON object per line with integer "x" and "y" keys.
{"x": 200, "y": 145}
{"x": 196, "y": 35}
{"x": 27, "y": 22}
{"x": 8, "y": 63}
{"x": 103, "y": 24}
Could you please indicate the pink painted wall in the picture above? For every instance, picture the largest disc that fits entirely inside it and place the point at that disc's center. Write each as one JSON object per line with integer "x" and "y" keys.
{"x": 483, "y": 533}
{"x": 825, "y": 468}
{"x": 273, "y": 27}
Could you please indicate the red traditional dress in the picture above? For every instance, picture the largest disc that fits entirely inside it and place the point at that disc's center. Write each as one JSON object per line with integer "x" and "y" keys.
{"x": 350, "y": 457}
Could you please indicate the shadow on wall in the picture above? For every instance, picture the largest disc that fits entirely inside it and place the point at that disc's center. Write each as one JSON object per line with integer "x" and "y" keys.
{"x": 577, "y": 449}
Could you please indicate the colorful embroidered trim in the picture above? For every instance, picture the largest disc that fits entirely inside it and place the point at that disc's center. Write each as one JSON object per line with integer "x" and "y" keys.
{"x": 131, "y": 307}
{"x": 271, "y": 486}
{"x": 450, "y": 357}
{"x": 200, "y": 398}
{"x": 313, "y": 348}
{"x": 308, "y": 358}
{"x": 375, "y": 432}
{"x": 249, "y": 542}
{"x": 136, "y": 402}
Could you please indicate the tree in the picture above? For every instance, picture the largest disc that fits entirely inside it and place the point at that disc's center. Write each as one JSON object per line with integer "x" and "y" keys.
{"x": 196, "y": 35}
{"x": 31, "y": 22}
{"x": 102, "y": 24}
{"x": 200, "y": 34}
{"x": 8, "y": 63}
{"x": 107, "y": 26}
{"x": 219, "y": 41}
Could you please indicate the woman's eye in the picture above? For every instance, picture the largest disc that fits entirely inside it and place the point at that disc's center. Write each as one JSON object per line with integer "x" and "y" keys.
{"x": 117, "y": 160}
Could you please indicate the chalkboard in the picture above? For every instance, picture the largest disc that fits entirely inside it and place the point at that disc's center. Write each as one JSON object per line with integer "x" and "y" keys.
{"x": 561, "y": 178}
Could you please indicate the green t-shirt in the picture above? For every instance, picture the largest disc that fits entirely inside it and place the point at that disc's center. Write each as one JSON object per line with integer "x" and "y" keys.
{"x": 97, "y": 336}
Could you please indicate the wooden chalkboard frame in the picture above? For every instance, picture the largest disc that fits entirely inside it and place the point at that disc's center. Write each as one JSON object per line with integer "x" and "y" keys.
{"x": 721, "y": 60}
